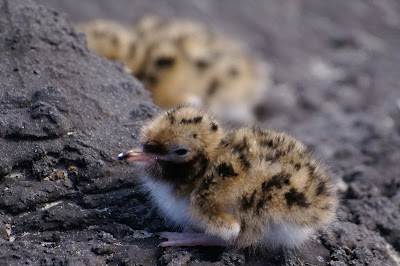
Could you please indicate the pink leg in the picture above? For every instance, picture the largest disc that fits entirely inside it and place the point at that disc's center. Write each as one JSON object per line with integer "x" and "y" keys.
{"x": 190, "y": 239}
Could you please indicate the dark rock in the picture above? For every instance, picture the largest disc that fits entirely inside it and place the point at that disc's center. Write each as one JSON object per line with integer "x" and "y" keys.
{"x": 143, "y": 111}
{"x": 355, "y": 245}
{"x": 52, "y": 96}
{"x": 343, "y": 42}
{"x": 362, "y": 189}
{"x": 60, "y": 141}
{"x": 377, "y": 214}
{"x": 18, "y": 195}
{"x": 176, "y": 257}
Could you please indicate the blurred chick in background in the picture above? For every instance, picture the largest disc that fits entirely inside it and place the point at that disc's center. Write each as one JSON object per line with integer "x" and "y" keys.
{"x": 181, "y": 61}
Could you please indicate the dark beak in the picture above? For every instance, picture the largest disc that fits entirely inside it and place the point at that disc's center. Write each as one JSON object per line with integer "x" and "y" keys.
{"x": 135, "y": 155}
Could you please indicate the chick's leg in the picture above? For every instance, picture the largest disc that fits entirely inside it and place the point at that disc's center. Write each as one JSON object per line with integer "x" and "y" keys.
{"x": 190, "y": 239}
{"x": 214, "y": 220}
{"x": 221, "y": 229}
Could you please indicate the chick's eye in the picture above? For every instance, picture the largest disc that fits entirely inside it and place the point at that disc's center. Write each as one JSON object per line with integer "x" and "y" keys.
{"x": 181, "y": 152}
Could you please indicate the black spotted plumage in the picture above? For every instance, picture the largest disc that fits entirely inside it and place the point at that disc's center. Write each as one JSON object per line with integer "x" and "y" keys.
{"x": 293, "y": 197}
{"x": 226, "y": 170}
{"x": 214, "y": 126}
{"x": 237, "y": 184}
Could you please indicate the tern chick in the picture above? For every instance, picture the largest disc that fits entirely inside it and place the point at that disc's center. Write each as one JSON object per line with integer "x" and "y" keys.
{"x": 245, "y": 187}
{"x": 168, "y": 55}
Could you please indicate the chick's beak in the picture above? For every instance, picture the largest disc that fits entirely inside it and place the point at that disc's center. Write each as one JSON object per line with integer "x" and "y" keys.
{"x": 135, "y": 155}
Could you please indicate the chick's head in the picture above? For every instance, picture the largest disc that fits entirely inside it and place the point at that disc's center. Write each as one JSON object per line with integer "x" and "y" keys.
{"x": 180, "y": 135}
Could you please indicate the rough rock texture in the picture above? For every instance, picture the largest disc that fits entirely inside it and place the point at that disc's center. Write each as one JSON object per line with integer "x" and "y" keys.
{"x": 65, "y": 114}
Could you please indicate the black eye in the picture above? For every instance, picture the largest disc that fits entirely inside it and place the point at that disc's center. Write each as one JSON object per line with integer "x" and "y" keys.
{"x": 164, "y": 62}
{"x": 181, "y": 152}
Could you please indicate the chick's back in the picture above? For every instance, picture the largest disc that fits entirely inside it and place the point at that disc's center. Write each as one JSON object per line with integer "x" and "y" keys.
{"x": 268, "y": 181}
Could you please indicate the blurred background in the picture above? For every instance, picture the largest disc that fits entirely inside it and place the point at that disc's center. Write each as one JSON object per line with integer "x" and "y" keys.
{"x": 335, "y": 63}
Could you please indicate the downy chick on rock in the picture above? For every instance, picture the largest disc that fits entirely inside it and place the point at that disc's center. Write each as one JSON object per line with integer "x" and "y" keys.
{"x": 246, "y": 187}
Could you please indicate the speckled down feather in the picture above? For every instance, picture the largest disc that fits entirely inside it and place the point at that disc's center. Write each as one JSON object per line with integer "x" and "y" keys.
{"x": 247, "y": 187}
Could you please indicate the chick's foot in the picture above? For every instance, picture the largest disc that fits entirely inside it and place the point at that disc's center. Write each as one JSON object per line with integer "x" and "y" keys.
{"x": 190, "y": 239}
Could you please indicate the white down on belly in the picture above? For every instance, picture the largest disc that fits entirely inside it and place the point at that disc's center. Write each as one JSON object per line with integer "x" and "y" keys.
{"x": 173, "y": 210}
{"x": 286, "y": 234}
